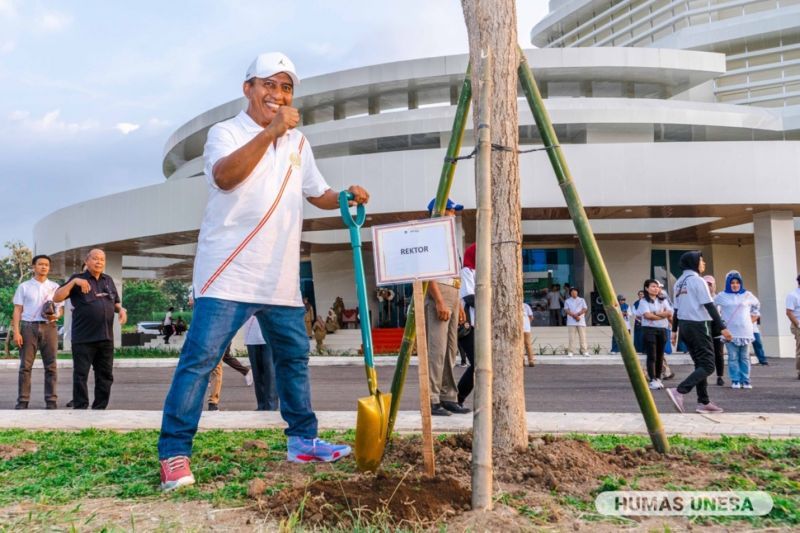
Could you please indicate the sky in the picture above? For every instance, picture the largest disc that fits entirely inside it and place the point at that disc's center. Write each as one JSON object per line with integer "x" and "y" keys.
{"x": 90, "y": 90}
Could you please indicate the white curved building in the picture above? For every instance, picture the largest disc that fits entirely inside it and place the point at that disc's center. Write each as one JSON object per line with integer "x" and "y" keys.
{"x": 664, "y": 160}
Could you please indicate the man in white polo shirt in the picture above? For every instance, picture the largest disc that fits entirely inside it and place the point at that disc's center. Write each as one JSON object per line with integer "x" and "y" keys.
{"x": 34, "y": 327}
{"x": 793, "y": 314}
{"x": 259, "y": 169}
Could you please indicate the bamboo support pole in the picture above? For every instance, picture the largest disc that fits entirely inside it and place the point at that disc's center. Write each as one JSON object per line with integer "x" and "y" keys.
{"x": 593, "y": 256}
{"x": 482, "y": 467}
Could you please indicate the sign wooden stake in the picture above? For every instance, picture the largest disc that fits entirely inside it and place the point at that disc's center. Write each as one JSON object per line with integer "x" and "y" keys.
{"x": 424, "y": 391}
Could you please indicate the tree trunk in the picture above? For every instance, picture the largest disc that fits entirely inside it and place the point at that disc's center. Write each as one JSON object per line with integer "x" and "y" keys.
{"x": 494, "y": 25}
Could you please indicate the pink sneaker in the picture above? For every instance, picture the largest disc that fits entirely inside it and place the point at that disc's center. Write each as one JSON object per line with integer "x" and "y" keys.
{"x": 175, "y": 473}
{"x": 677, "y": 399}
{"x": 708, "y": 409}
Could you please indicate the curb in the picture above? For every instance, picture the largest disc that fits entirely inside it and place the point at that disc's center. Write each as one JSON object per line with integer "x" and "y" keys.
{"x": 391, "y": 360}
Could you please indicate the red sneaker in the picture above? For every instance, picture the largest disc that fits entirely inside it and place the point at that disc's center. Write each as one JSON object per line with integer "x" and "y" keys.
{"x": 175, "y": 473}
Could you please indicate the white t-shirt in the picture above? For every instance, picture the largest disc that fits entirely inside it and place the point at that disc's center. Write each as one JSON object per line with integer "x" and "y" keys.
{"x": 575, "y": 305}
{"x": 793, "y": 302}
{"x": 249, "y": 244}
{"x": 168, "y": 318}
{"x": 553, "y": 300}
{"x": 32, "y": 295}
{"x": 467, "y": 288}
{"x": 657, "y": 306}
{"x": 691, "y": 295}
{"x": 252, "y": 332}
{"x": 527, "y": 315}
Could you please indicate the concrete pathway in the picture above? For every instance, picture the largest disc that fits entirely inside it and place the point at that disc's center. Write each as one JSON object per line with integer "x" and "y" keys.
{"x": 695, "y": 425}
{"x": 388, "y": 360}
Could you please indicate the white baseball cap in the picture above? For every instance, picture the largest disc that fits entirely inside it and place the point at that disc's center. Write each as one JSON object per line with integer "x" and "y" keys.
{"x": 268, "y": 64}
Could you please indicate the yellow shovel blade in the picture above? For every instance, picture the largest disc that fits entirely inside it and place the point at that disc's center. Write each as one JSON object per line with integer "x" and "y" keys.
{"x": 371, "y": 426}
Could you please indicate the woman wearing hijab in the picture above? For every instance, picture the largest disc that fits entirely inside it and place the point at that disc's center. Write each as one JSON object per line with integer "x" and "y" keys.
{"x": 737, "y": 305}
{"x": 719, "y": 351}
{"x": 694, "y": 309}
{"x": 466, "y": 337}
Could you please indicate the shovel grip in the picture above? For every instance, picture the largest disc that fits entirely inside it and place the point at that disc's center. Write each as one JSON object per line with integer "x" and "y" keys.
{"x": 344, "y": 207}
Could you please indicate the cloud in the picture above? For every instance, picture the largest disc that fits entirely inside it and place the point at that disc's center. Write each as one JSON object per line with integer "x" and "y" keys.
{"x": 50, "y": 123}
{"x": 8, "y": 8}
{"x": 157, "y": 123}
{"x": 126, "y": 127}
{"x": 7, "y": 47}
{"x": 54, "y": 21}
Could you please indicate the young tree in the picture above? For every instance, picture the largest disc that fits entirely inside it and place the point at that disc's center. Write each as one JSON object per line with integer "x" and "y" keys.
{"x": 142, "y": 299}
{"x": 494, "y": 25}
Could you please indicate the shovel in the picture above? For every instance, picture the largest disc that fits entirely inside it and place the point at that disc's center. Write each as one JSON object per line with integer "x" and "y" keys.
{"x": 373, "y": 411}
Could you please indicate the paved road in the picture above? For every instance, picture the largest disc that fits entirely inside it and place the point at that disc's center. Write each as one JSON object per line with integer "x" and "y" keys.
{"x": 548, "y": 388}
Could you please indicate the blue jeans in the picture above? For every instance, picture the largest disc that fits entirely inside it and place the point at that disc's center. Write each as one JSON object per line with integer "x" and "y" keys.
{"x": 758, "y": 348}
{"x": 214, "y": 325}
{"x": 263, "y": 376}
{"x": 739, "y": 362}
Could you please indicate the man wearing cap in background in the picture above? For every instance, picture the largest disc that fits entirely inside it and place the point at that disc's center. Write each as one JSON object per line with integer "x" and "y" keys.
{"x": 258, "y": 168}
{"x": 443, "y": 314}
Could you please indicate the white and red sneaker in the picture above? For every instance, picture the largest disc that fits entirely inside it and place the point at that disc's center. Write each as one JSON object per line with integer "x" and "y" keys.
{"x": 302, "y": 450}
{"x": 175, "y": 473}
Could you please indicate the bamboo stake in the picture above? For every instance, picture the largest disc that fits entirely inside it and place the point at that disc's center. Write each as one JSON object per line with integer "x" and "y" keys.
{"x": 482, "y": 416}
{"x": 424, "y": 384}
{"x": 595, "y": 259}
{"x": 445, "y": 183}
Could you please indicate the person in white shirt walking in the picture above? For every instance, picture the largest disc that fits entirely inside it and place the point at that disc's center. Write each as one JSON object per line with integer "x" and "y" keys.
{"x": 736, "y": 306}
{"x": 576, "y": 309}
{"x": 527, "y": 319}
{"x": 34, "y": 325}
{"x": 694, "y": 311}
{"x": 259, "y": 169}
{"x": 655, "y": 313}
{"x": 261, "y": 367}
{"x": 793, "y": 314}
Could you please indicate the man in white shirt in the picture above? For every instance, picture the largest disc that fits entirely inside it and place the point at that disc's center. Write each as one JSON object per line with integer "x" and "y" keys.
{"x": 576, "y": 309}
{"x": 259, "y": 169}
{"x": 554, "y": 300}
{"x": 527, "y": 320}
{"x": 35, "y": 329}
{"x": 793, "y": 314}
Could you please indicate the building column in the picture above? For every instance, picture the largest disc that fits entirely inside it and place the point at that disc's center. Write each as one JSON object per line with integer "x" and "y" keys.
{"x": 114, "y": 269}
{"x": 776, "y": 269}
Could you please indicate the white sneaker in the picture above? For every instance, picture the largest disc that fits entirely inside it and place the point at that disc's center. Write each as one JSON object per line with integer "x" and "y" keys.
{"x": 746, "y": 385}
{"x": 569, "y": 354}
{"x": 248, "y": 378}
{"x": 736, "y": 385}
{"x": 585, "y": 354}
{"x": 660, "y": 385}
{"x": 654, "y": 385}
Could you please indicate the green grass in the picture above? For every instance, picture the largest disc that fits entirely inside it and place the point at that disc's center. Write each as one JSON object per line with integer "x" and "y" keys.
{"x": 71, "y": 466}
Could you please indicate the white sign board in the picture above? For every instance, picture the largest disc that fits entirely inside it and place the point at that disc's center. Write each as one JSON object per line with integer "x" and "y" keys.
{"x": 419, "y": 250}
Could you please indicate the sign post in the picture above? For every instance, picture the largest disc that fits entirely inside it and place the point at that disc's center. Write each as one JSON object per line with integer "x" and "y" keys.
{"x": 414, "y": 252}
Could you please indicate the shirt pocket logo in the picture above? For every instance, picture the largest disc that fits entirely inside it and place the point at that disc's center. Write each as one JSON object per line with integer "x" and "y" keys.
{"x": 295, "y": 160}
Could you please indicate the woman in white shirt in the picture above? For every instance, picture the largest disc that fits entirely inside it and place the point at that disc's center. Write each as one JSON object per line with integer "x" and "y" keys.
{"x": 654, "y": 313}
{"x": 736, "y": 305}
{"x": 576, "y": 308}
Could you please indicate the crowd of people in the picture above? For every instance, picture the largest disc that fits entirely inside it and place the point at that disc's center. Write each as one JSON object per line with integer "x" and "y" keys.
{"x": 259, "y": 168}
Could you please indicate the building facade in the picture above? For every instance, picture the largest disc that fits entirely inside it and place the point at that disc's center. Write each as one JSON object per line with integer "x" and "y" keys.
{"x": 665, "y": 158}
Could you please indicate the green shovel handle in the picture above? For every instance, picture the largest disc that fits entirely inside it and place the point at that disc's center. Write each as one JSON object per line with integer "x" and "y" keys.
{"x": 354, "y": 225}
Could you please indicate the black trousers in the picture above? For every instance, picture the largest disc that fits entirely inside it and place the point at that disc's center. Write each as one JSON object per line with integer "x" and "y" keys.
{"x": 100, "y": 356}
{"x": 654, "y": 340}
{"x": 697, "y": 336}
{"x": 719, "y": 357}
{"x": 467, "y": 381}
{"x": 263, "y": 376}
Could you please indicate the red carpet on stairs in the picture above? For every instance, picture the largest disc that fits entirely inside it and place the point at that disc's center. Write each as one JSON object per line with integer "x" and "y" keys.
{"x": 387, "y": 340}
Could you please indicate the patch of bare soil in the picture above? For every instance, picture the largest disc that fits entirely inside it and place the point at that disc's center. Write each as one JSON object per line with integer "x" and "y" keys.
{"x": 9, "y": 451}
{"x": 534, "y": 482}
{"x": 113, "y": 515}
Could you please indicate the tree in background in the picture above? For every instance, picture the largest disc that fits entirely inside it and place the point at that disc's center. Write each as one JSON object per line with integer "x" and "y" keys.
{"x": 142, "y": 299}
{"x": 16, "y": 266}
{"x": 177, "y": 293}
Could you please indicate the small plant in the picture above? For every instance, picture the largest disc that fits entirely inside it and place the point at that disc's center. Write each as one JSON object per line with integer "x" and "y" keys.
{"x": 596, "y": 349}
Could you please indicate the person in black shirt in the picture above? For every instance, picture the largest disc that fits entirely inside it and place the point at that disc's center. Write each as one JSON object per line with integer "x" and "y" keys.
{"x": 94, "y": 299}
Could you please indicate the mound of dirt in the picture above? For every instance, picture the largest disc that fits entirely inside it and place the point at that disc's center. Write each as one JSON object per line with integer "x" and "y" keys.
{"x": 411, "y": 499}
